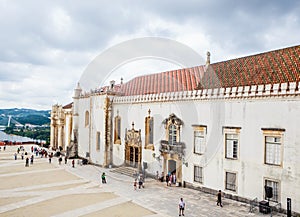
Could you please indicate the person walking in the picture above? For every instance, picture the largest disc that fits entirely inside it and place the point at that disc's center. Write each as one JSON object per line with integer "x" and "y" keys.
{"x": 66, "y": 160}
{"x": 73, "y": 163}
{"x": 181, "y": 207}
{"x": 31, "y": 159}
{"x": 135, "y": 184}
{"x": 170, "y": 180}
{"x": 219, "y": 199}
{"x": 141, "y": 181}
{"x": 103, "y": 178}
{"x": 27, "y": 162}
{"x": 174, "y": 178}
{"x": 167, "y": 179}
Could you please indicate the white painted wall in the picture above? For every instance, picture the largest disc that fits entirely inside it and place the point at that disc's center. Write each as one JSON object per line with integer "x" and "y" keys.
{"x": 249, "y": 114}
{"x": 83, "y": 131}
{"x": 97, "y": 125}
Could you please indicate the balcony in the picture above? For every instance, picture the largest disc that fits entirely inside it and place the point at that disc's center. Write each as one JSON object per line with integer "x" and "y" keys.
{"x": 175, "y": 148}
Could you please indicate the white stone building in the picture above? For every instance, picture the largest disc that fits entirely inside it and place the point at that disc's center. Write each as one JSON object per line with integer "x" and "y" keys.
{"x": 231, "y": 125}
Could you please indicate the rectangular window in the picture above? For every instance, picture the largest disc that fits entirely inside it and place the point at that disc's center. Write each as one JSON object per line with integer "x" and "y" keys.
{"x": 98, "y": 140}
{"x": 117, "y": 132}
{"x": 87, "y": 118}
{"x": 199, "y": 141}
{"x": 275, "y": 190}
{"x": 231, "y": 146}
{"x": 230, "y": 181}
{"x": 151, "y": 128}
{"x": 198, "y": 175}
{"x": 273, "y": 150}
{"x": 172, "y": 134}
{"x": 148, "y": 131}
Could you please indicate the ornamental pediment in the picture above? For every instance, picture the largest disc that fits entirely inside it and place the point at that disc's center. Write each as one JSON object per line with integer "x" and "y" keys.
{"x": 133, "y": 137}
{"x": 172, "y": 119}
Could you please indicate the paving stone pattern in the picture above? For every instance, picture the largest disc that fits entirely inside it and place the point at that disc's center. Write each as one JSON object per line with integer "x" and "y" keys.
{"x": 156, "y": 197}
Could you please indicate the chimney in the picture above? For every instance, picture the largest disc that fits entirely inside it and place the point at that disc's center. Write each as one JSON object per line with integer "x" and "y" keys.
{"x": 207, "y": 59}
{"x": 112, "y": 84}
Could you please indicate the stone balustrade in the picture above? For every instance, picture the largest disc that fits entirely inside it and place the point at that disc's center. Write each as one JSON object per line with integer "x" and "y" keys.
{"x": 253, "y": 91}
{"x": 176, "y": 148}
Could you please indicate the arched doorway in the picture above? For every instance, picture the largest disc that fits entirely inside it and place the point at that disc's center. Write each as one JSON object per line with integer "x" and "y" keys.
{"x": 133, "y": 147}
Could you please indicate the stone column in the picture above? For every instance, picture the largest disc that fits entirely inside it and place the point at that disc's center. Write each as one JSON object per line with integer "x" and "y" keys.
{"x": 179, "y": 170}
{"x": 52, "y": 134}
{"x": 108, "y": 133}
{"x": 59, "y": 136}
{"x": 69, "y": 130}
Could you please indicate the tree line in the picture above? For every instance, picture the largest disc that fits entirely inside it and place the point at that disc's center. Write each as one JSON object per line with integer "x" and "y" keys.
{"x": 37, "y": 133}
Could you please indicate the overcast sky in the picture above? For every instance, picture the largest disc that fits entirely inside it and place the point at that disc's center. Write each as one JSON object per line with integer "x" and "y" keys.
{"x": 46, "y": 45}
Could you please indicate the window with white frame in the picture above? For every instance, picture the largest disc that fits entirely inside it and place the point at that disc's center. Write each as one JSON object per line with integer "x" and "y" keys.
{"x": 231, "y": 145}
{"x": 273, "y": 150}
{"x": 172, "y": 134}
{"x": 230, "y": 181}
{"x": 199, "y": 140}
{"x": 198, "y": 174}
{"x": 149, "y": 131}
{"x": 172, "y": 126}
{"x": 98, "y": 140}
{"x": 275, "y": 189}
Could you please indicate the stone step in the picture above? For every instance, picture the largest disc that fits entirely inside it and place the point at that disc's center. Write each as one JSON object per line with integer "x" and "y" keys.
{"x": 128, "y": 171}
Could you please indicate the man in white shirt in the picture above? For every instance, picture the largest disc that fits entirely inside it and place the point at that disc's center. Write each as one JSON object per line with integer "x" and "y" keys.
{"x": 181, "y": 206}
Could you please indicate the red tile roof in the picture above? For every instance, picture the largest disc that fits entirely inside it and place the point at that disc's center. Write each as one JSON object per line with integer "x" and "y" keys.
{"x": 279, "y": 66}
{"x": 68, "y": 106}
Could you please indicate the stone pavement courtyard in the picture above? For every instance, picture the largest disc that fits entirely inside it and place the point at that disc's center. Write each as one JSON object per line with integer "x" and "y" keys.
{"x": 45, "y": 189}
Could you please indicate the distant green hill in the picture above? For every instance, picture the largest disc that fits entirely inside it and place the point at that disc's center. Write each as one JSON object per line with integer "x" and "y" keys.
{"x": 24, "y": 116}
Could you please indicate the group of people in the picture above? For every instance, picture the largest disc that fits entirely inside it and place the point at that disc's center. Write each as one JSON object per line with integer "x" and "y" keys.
{"x": 170, "y": 179}
{"x": 24, "y": 154}
{"x": 139, "y": 181}
{"x": 36, "y": 151}
{"x": 39, "y": 151}
{"x": 27, "y": 161}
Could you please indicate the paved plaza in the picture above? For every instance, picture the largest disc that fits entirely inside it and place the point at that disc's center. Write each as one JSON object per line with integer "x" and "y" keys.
{"x": 45, "y": 189}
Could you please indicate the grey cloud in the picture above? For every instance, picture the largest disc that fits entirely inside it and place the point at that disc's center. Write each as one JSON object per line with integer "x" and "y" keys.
{"x": 235, "y": 25}
{"x": 54, "y": 39}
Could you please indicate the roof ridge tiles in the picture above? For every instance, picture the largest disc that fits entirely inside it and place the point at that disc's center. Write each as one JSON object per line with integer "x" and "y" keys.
{"x": 271, "y": 67}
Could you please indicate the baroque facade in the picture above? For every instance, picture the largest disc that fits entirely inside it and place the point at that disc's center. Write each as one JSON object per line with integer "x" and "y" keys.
{"x": 231, "y": 125}
{"x": 61, "y": 126}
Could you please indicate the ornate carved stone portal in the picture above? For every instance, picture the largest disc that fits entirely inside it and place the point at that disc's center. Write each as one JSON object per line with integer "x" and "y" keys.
{"x": 172, "y": 149}
{"x": 133, "y": 147}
